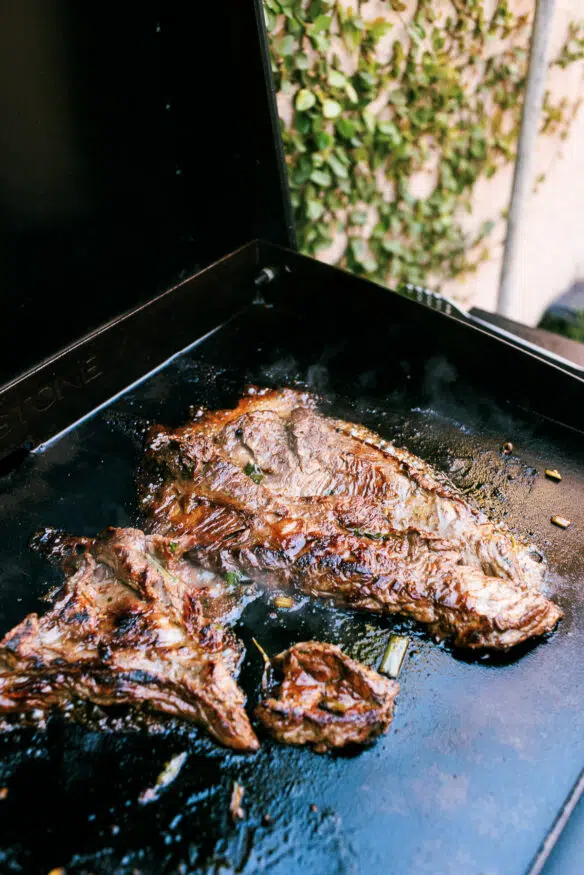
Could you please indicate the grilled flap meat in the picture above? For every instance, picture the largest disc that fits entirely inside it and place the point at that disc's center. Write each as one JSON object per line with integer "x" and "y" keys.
{"x": 124, "y": 629}
{"x": 299, "y": 453}
{"x": 279, "y": 492}
{"x": 326, "y": 699}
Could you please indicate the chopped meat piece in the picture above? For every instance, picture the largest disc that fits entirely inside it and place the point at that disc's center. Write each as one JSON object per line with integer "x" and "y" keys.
{"x": 285, "y": 495}
{"x": 326, "y": 699}
{"x": 169, "y": 774}
{"x": 124, "y": 629}
{"x": 237, "y": 794}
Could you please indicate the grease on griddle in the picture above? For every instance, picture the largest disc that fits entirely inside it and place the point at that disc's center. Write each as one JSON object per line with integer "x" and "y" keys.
{"x": 494, "y": 481}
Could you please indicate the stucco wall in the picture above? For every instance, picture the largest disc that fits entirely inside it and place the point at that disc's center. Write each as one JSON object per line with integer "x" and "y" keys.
{"x": 552, "y": 255}
{"x": 552, "y": 251}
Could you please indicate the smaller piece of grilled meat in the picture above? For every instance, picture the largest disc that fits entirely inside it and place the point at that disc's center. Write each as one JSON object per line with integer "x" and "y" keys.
{"x": 327, "y": 699}
{"x": 124, "y": 630}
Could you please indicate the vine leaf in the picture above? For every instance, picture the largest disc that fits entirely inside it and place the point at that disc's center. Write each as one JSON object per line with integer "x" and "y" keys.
{"x": 304, "y": 100}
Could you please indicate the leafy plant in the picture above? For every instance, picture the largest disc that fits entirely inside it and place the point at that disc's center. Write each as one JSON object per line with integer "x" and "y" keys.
{"x": 572, "y": 326}
{"x": 372, "y": 105}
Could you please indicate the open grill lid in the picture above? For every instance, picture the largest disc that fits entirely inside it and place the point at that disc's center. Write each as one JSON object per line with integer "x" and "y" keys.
{"x": 138, "y": 144}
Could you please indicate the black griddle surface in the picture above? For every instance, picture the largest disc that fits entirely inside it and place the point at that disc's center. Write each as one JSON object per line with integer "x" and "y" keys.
{"x": 482, "y": 752}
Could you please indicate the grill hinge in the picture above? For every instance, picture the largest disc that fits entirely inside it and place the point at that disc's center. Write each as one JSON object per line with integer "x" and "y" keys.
{"x": 266, "y": 275}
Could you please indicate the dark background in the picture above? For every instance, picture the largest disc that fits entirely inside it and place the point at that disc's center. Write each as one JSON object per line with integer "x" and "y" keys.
{"x": 136, "y": 145}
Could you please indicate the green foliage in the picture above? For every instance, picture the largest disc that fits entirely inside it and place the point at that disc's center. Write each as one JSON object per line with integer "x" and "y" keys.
{"x": 573, "y": 48}
{"x": 451, "y": 103}
{"x": 572, "y": 326}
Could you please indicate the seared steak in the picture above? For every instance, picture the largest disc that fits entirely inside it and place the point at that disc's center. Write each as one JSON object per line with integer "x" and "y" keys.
{"x": 276, "y": 491}
{"x": 326, "y": 699}
{"x": 124, "y": 629}
{"x": 299, "y": 453}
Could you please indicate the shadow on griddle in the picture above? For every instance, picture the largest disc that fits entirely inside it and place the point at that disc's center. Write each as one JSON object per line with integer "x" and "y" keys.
{"x": 14, "y": 459}
{"x": 495, "y": 658}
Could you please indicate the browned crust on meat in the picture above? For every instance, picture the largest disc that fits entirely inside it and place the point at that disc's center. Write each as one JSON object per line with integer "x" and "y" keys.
{"x": 124, "y": 630}
{"x": 326, "y": 699}
{"x": 393, "y": 537}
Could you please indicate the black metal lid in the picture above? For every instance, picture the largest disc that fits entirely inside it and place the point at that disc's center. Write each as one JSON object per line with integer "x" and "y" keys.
{"x": 138, "y": 143}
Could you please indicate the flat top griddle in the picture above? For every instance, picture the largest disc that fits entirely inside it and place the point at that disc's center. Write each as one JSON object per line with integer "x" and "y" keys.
{"x": 483, "y": 751}
{"x": 154, "y": 180}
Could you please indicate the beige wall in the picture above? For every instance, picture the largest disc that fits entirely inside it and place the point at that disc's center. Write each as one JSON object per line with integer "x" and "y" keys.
{"x": 552, "y": 253}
